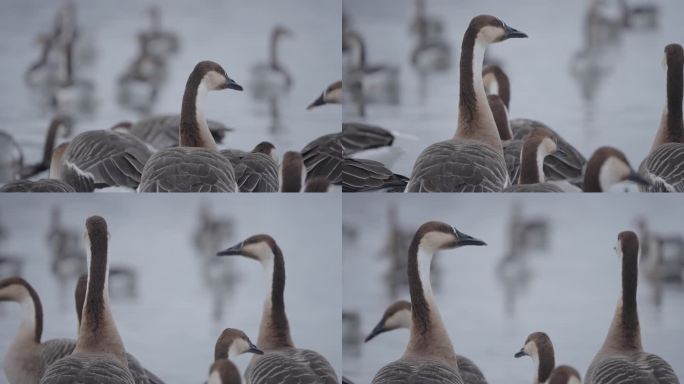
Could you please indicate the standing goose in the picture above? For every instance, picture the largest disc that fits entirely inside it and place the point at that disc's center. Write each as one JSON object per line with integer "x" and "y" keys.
{"x": 537, "y": 146}
{"x": 331, "y": 95}
{"x": 539, "y": 347}
{"x": 99, "y": 355}
{"x": 473, "y": 159}
{"x": 622, "y": 359}
{"x": 255, "y": 171}
{"x": 429, "y": 356}
{"x": 281, "y": 362}
{"x": 398, "y": 315}
{"x": 270, "y": 80}
{"x": 231, "y": 343}
{"x": 161, "y": 131}
{"x": 28, "y": 357}
{"x": 607, "y": 167}
{"x": 664, "y": 165}
{"x": 196, "y": 165}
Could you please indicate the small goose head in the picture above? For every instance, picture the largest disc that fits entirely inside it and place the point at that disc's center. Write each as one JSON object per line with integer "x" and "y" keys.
{"x": 490, "y": 29}
{"x": 233, "y": 342}
{"x": 627, "y": 245}
{"x": 538, "y": 346}
{"x": 214, "y": 77}
{"x": 257, "y": 247}
{"x": 397, "y": 315}
{"x": 435, "y": 236}
{"x": 281, "y": 31}
{"x": 266, "y": 148}
{"x": 224, "y": 372}
{"x": 609, "y": 166}
{"x": 564, "y": 374}
{"x": 331, "y": 95}
{"x": 674, "y": 56}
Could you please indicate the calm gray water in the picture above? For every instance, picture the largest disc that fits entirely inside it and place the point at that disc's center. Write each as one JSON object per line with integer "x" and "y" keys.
{"x": 235, "y": 36}
{"x": 625, "y": 109}
{"x": 169, "y": 326}
{"x": 572, "y": 293}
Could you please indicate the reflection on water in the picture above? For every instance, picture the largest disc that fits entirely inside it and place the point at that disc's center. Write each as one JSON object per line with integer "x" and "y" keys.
{"x": 591, "y": 71}
{"x": 550, "y": 262}
{"x": 162, "y": 283}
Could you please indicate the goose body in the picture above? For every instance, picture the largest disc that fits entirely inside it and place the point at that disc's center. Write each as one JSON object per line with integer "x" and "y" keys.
{"x": 324, "y": 157}
{"x": 429, "y": 355}
{"x": 282, "y": 362}
{"x": 473, "y": 160}
{"x": 42, "y": 185}
{"x": 196, "y": 165}
{"x": 255, "y": 171}
{"x": 664, "y": 163}
{"x": 622, "y": 358}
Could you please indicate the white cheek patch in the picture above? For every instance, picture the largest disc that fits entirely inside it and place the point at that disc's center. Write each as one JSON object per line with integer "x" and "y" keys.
{"x": 237, "y": 347}
{"x": 612, "y": 171}
{"x": 213, "y": 80}
{"x": 214, "y": 378}
{"x": 261, "y": 250}
{"x": 434, "y": 241}
{"x": 531, "y": 348}
{"x": 334, "y": 96}
{"x": 400, "y": 319}
{"x": 489, "y": 34}
{"x": 574, "y": 380}
{"x": 490, "y": 83}
{"x": 549, "y": 146}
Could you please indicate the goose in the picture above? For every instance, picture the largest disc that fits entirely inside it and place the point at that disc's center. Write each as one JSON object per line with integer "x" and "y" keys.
{"x": 663, "y": 165}
{"x": 74, "y": 95}
{"x": 42, "y": 185}
{"x": 331, "y": 95}
{"x": 270, "y": 80}
{"x": 281, "y": 362}
{"x": 44, "y": 72}
{"x": 606, "y": 167}
{"x": 138, "y": 86}
{"x": 398, "y": 315}
{"x": 473, "y": 159}
{"x": 565, "y": 163}
{"x": 429, "y": 356}
{"x": 432, "y": 53}
{"x": 357, "y": 137}
{"x": 161, "y": 43}
{"x": 99, "y": 355}
{"x": 161, "y": 131}
{"x": 255, "y": 171}
{"x": 622, "y": 358}
{"x": 537, "y": 146}
{"x": 196, "y": 165}
{"x": 539, "y": 347}
{"x": 101, "y": 159}
{"x": 361, "y": 175}
{"x": 231, "y": 343}
{"x": 429, "y": 26}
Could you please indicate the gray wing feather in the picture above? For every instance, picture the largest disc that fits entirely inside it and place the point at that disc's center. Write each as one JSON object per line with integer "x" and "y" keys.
{"x": 42, "y": 185}
{"x": 358, "y": 137}
{"x": 184, "y": 169}
{"x": 140, "y": 374}
{"x": 290, "y": 366}
{"x": 539, "y": 187}
{"x": 254, "y": 172}
{"x": 664, "y": 166}
{"x": 417, "y": 372}
{"x": 470, "y": 373}
{"x": 361, "y": 175}
{"x": 87, "y": 369}
{"x": 324, "y": 157}
{"x": 458, "y": 166}
{"x": 641, "y": 368}
{"x": 53, "y": 350}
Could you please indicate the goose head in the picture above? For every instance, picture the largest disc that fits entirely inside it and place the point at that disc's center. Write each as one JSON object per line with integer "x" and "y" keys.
{"x": 490, "y": 29}
{"x": 257, "y": 247}
{"x": 627, "y": 245}
{"x": 331, "y": 95}
{"x": 397, "y": 315}
{"x": 15, "y": 289}
{"x": 224, "y": 372}
{"x": 674, "y": 56}
{"x": 538, "y": 346}
{"x": 214, "y": 77}
{"x": 233, "y": 342}
{"x": 435, "y": 236}
{"x": 267, "y": 149}
{"x": 607, "y": 167}
{"x": 565, "y": 374}
{"x": 281, "y": 31}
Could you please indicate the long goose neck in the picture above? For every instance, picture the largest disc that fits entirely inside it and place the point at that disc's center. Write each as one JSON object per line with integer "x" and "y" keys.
{"x": 671, "y": 124}
{"x": 475, "y": 119}
{"x": 544, "y": 362}
{"x": 360, "y": 50}
{"x": 273, "y": 51}
{"x": 98, "y": 332}
{"x": 428, "y": 334}
{"x": 625, "y": 333}
{"x": 31, "y": 326}
{"x": 532, "y": 162}
{"x": 274, "y": 331}
{"x": 194, "y": 131}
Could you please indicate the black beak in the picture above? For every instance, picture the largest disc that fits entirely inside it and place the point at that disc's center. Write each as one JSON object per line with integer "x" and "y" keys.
{"x": 253, "y": 349}
{"x": 380, "y": 328}
{"x": 637, "y": 178}
{"x": 520, "y": 353}
{"x": 317, "y": 102}
{"x": 464, "y": 239}
{"x": 513, "y": 33}
{"x": 231, "y": 84}
{"x": 235, "y": 250}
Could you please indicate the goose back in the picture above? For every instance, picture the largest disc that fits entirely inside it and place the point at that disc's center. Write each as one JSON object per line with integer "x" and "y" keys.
{"x": 663, "y": 167}
{"x": 635, "y": 368}
{"x": 415, "y": 371}
{"x": 323, "y": 157}
{"x": 42, "y": 185}
{"x": 289, "y": 366}
{"x": 88, "y": 368}
{"x": 254, "y": 172}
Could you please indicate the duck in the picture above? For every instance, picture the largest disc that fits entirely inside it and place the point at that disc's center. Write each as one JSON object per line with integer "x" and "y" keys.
{"x": 429, "y": 355}
{"x": 331, "y": 95}
{"x": 398, "y": 316}
{"x": 231, "y": 343}
{"x": 622, "y": 358}
{"x": 473, "y": 160}
{"x": 663, "y": 164}
{"x": 539, "y": 347}
{"x": 281, "y": 362}
{"x": 271, "y": 80}
{"x": 196, "y": 165}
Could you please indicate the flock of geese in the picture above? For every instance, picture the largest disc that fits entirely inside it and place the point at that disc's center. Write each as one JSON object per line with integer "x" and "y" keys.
{"x": 98, "y": 355}
{"x": 491, "y": 153}
{"x": 430, "y": 356}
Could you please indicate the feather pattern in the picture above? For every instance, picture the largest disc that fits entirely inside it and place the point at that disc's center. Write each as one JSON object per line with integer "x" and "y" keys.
{"x": 636, "y": 368}
{"x": 360, "y": 175}
{"x": 426, "y": 371}
{"x": 254, "y": 172}
{"x": 664, "y": 166}
{"x": 161, "y": 132}
{"x": 87, "y": 369}
{"x": 42, "y": 185}
{"x": 289, "y": 366}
